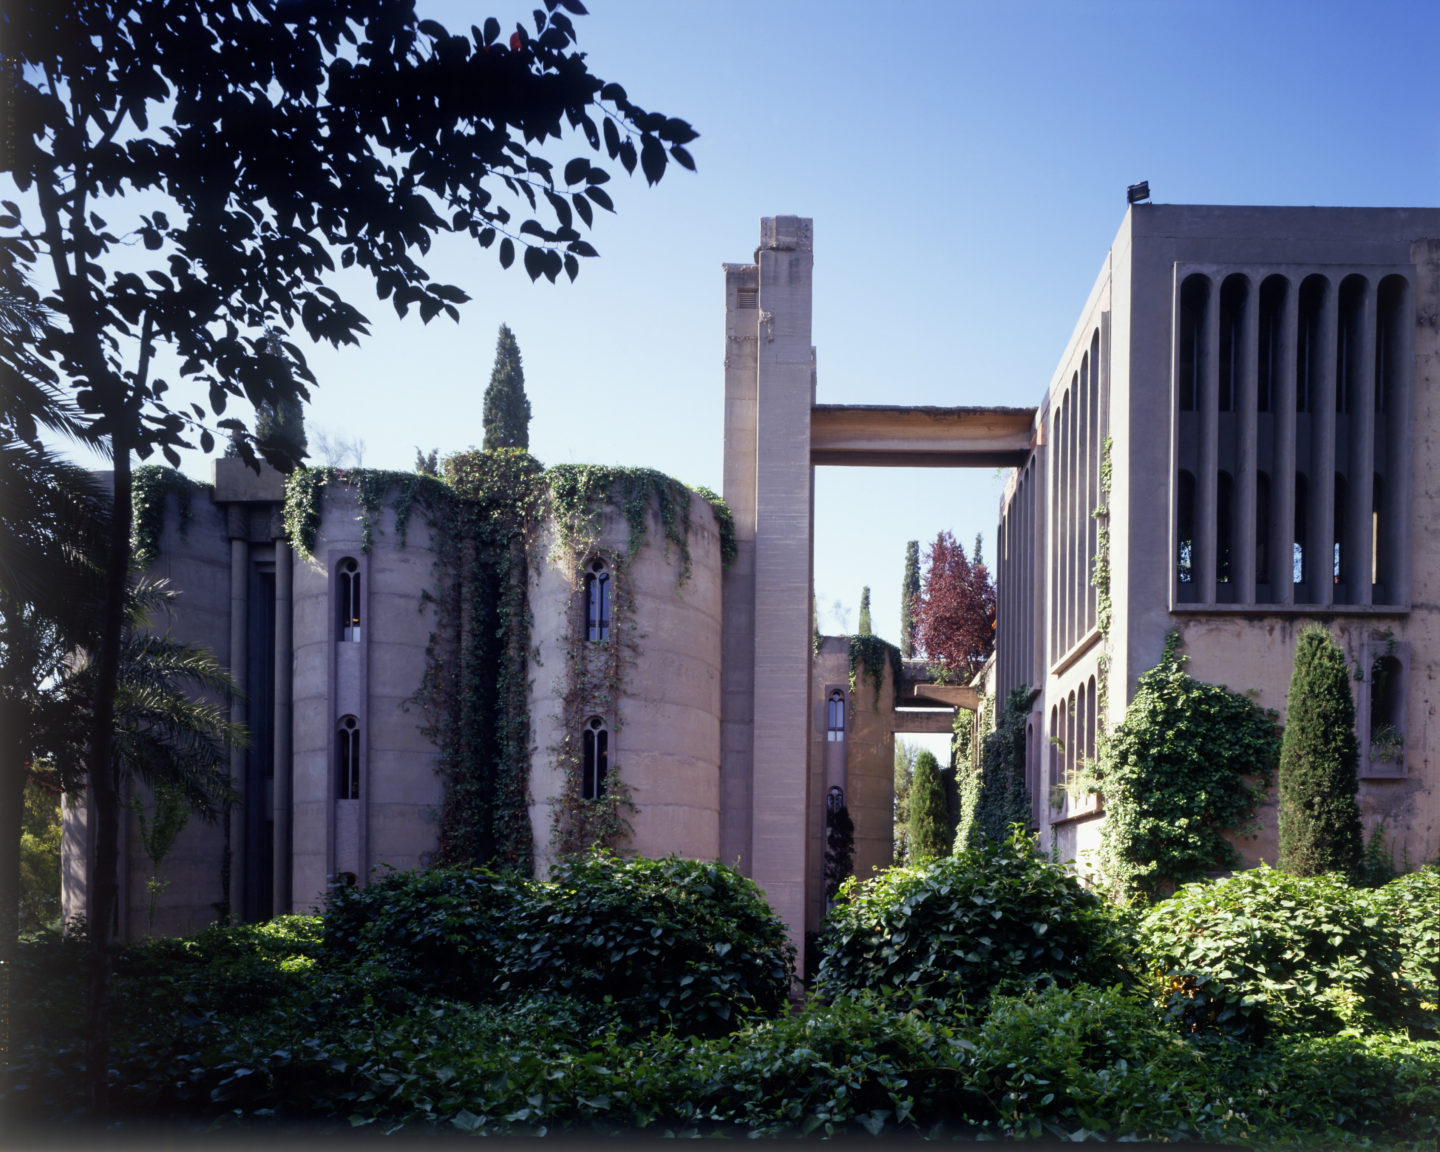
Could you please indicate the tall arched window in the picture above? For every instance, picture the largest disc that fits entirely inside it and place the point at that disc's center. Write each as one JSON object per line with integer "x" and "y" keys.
{"x": 835, "y": 716}
{"x": 347, "y": 759}
{"x": 597, "y": 601}
{"x": 594, "y": 758}
{"x": 347, "y": 589}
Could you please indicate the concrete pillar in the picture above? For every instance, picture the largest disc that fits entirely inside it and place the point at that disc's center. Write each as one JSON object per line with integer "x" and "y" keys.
{"x": 239, "y": 610}
{"x": 784, "y": 488}
{"x": 281, "y": 899}
{"x": 737, "y": 697}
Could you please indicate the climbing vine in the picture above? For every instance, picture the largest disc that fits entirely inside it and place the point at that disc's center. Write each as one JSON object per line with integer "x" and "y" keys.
{"x": 581, "y": 496}
{"x": 871, "y": 654}
{"x": 1100, "y": 580}
{"x": 724, "y": 525}
{"x": 993, "y": 794}
{"x": 151, "y": 484}
{"x": 1188, "y": 764}
{"x": 475, "y": 690}
{"x": 485, "y": 513}
{"x": 374, "y": 488}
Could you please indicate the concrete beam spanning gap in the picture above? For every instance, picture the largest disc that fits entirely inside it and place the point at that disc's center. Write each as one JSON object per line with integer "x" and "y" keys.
{"x": 876, "y": 435}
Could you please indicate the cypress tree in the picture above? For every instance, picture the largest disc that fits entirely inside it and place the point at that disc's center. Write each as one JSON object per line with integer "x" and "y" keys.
{"x": 1319, "y": 813}
{"x": 507, "y": 410}
{"x": 930, "y": 834}
{"x": 909, "y": 593}
{"x": 863, "y": 628}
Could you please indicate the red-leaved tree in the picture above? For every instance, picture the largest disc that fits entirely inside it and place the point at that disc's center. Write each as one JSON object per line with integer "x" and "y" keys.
{"x": 955, "y": 611}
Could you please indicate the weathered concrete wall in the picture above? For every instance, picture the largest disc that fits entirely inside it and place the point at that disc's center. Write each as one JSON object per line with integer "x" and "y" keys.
{"x": 665, "y": 741}
{"x": 394, "y": 821}
{"x": 196, "y": 564}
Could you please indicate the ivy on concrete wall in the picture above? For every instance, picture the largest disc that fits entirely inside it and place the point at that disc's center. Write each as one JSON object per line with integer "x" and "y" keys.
{"x": 1188, "y": 765}
{"x": 152, "y": 484}
{"x": 484, "y": 515}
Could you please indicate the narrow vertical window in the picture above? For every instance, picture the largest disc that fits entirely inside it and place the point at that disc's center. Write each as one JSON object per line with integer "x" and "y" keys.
{"x": 1194, "y": 300}
{"x": 347, "y": 589}
{"x": 595, "y": 759}
{"x": 1377, "y": 551}
{"x": 1185, "y": 527}
{"x": 1224, "y": 520}
{"x": 835, "y": 716}
{"x": 347, "y": 759}
{"x": 1232, "y": 340}
{"x": 1312, "y": 302}
{"x": 1262, "y": 528}
{"x": 1342, "y": 572}
{"x": 1272, "y": 304}
{"x": 1302, "y": 502}
{"x": 1347, "y": 340}
{"x": 597, "y": 602}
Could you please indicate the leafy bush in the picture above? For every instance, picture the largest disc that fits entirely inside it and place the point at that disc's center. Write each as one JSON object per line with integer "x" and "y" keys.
{"x": 674, "y": 943}
{"x": 671, "y": 943}
{"x": 1412, "y": 904}
{"x": 1084, "y": 1062}
{"x": 1189, "y": 763}
{"x": 445, "y": 931}
{"x": 1264, "y": 949}
{"x": 995, "y": 918}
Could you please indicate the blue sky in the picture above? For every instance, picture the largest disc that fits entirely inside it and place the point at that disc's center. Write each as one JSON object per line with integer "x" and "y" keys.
{"x": 965, "y": 165}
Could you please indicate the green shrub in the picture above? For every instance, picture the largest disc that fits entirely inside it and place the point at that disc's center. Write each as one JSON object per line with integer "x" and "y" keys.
{"x": 1266, "y": 950}
{"x": 675, "y": 943}
{"x": 443, "y": 931}
{"x": 1188, "y": 764}
{"x": 680, "y": 944}
{"x": 1083, "y": 1062}
{"x": 995, "y": 918}
{"x": 1319, "y": 812}
{"x": 1412, "y": 904}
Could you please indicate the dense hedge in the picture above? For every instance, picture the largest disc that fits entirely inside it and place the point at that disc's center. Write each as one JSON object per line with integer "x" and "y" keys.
{"x": 994, "y": 918}
{"x": 268, "y": 1029}
{"x": 1265, "y": 950}
{"x": 668, "y": 943}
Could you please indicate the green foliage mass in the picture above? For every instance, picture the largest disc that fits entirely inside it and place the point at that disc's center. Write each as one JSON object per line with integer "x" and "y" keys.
{"x": 151, "y": 486}
{"x": 863, "y": 627}
{"x": 1265, "y": 950}
{"x": 1188, "y": 764}
{"x": 1412, "y": 905}
{"x": 993, "y": 919}
{"x": 869, "y": 656}
{"x": 993, "y": 796}
{"x": 930, "y": 835}
{"x": 507, "y": 409}
{"x": 1319, "y": 812}
{"x": 263, "y": 1029}
{"x": 475, "y": 690}
{"x": 674, "y": 944}
{"x": 40, "y": 832}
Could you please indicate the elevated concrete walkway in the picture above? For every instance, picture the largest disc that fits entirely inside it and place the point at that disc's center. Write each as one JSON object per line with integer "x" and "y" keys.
{"x": 883, "y": 436}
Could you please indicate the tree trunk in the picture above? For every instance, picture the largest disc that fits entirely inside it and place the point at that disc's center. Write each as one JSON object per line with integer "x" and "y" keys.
{"x": 12, "y": 807}
{"x": 105, "y": 789}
